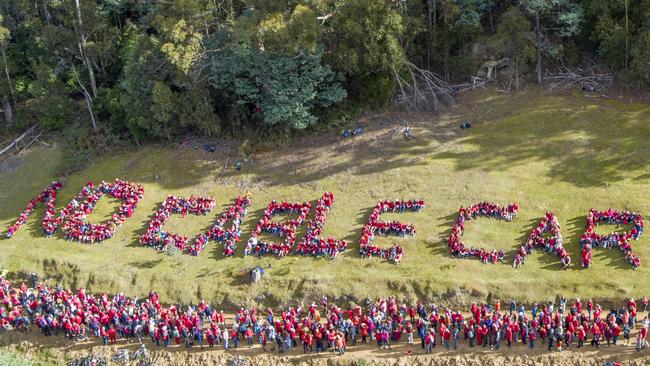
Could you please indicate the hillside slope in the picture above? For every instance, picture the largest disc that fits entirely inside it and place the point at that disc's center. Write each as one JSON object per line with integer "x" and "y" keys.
{"x": 561, "y": 153}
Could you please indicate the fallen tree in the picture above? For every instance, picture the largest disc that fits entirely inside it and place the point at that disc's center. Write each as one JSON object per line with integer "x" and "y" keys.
{"x": 19, "y": 143}
{"x": 422, "y": 90}
{"x": 586, "y": 79}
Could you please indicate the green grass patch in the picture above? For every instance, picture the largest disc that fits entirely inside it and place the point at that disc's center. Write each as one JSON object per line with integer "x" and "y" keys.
{"x": 560, "y": 153}
{"x": 12, "y": 359}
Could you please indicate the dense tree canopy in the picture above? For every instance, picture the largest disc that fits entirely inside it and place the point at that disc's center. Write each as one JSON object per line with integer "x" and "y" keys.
{"x": 141, "y": 70}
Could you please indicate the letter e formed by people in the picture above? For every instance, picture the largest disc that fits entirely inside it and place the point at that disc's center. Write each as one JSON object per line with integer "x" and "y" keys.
{"x": 374, "y": 226}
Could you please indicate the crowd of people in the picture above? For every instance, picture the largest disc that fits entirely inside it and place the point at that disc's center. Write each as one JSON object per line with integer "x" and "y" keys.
{"x": 375, "y": 226}
{"x": 229, "y": 237}
{"x": 286, "y": 230}
{"x": 590, "y": 239}
{"x": 312, "y": 244}
{"x": 51, "y": 221}
{"x": 72, "y": 220}
{"x": 78, "y": 315}
{"x": 160, "y": 239}
{"x": 77, "y": 228}
{"x": 485, "y": 209}
{"x": 553, "y": 244}
{"x": 48, "y": 198}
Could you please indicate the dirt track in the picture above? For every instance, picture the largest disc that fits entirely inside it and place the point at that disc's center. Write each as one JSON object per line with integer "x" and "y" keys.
{"x": 400, "y": 355}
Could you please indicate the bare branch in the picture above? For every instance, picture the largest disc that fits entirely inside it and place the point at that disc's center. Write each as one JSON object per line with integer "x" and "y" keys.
{"x": 586, "y": 79}
{"x": 422, "y": 90}
{"x": 324, "y": 18}
{"x": 18, "y": 139}
{"x": 87, "y": 97}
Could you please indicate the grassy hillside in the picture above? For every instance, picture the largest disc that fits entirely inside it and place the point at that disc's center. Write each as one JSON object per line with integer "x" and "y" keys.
{"x": 559, "y": 153}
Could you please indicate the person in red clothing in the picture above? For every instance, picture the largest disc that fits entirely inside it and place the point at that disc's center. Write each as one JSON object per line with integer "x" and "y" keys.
{"x": 248, "y": 334}
{"x": 509, "y": 336}
{"x": 445, "y": 333}
{"x": 598, "y": 312}
{"x": 616, "y": 330}
{"x": 111, "y": 335}
{"x": 568, "y": 337}
{"x": 631, "y": 302}
{"x": 339, "y": 343}
{"x": 595, "y": 333}
{"x": 479, "y": 336}
{"x": 586, "y": 256}
{"x": 476, "y": 312}
{"x": 104, "y": 335}
{"x": 542, "y": 333}
{"x": 429, "y": 341}
{"x": 409, "y": 332}
{"x": 531, "y": 338}
{"x": 308, "y": 341}
{"x": 641, "y": 342}
{"x": 578, "y": 306}
{"x": 364, "y": 332}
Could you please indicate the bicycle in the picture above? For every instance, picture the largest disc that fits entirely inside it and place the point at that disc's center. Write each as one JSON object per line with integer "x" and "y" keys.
{"x": 121, "y": 356}
{"x": 140, "y": 354}
{"x": 96, "y": 361}
{"x": 237, "y": 361}
{"x": 91, "y": 360}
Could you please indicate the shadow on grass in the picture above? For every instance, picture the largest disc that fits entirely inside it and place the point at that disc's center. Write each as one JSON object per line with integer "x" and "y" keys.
{"x": 439, "y": 247}
{"x": 378, "y": 150}
{"x": 354, "y": 236}
{"x": 585, "y": 146}
{"x": 548, "y": 261}
{"x": 585, "y": 143}
{"x": 142, "y": 227}
{"x": 147, "y": 264}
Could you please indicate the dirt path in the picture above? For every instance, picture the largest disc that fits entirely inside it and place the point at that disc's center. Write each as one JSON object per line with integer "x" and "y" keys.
{"x": 360, "y": 354}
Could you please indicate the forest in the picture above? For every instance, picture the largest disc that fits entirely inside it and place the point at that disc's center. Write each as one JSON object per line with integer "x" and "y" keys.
{"x": 113, "y": 72}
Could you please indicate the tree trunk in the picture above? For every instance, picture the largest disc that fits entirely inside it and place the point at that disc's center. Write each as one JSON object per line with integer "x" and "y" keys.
{"x": 491, "y": 22}
{"x": 538, "y": 38}
{"x": 434, "y": 18}
{"x": 627, "y": 35}
{"x": 431, "y": 12}
{"x": 7, "y": 74}
{"x": 516, "y": 73}
{"x": 87, "y": 97}
{"x": 447, "y": 46}
{"x": 91, "y": 73}
{"x": 9, "y": 113}
{"x": 46, "y": 11}
{"x": 89, "y": 105}
{"x": 430, "y": 18}
{"x": 82, "y": 47}
{"x": 446, "y": 62}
